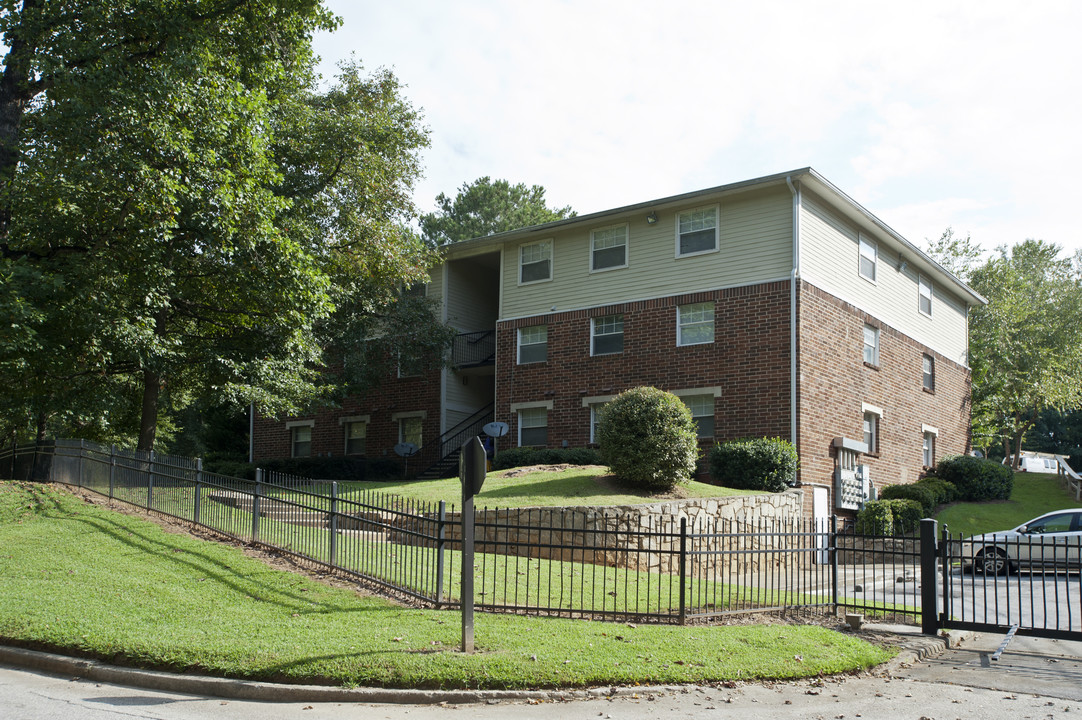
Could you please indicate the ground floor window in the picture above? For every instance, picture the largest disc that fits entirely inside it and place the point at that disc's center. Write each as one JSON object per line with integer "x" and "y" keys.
{"x": 533, "y": 427}
{"x": 356, "y": 435}
{"x": 702, "y": 411}
{"x": 410, "y": 430}
{"x": 301, "y": 441}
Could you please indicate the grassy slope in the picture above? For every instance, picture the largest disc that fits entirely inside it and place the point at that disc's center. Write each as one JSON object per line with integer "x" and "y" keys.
{"x": 76, "y": 577}
{"x": 1033, "y": 495}
{"x": 574, "y": 486}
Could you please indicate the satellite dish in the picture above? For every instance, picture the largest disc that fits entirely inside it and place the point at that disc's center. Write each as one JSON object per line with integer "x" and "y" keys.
{"x": 406, "y": 449}
{"x": 496, "y": 429}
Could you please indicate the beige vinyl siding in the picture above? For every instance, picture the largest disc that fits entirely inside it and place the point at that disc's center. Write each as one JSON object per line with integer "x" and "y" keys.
{"x": 471, "y": 297}
{"x": 435, "y": 283}
{"x": 829, "y": 258}
{"x": 755, "y": 246}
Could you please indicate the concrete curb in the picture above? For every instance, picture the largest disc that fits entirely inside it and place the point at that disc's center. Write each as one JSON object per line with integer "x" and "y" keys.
{"x": 915, "y": 649}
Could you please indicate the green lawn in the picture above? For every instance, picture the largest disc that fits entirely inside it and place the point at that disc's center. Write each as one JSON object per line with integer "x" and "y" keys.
{"x": 78, "y": 578}
{"x": 575, "y": 486}
{"x": 1034, "y": 494}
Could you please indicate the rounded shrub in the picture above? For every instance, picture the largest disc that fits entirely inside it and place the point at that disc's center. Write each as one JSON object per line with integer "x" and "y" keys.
{"x": 647, "y": 438}
{"x": 754, "y": 464}
{"x": 944, "y": 492}
{"x": 919, "y": 493}
{"x": 977, "y": 479}
{"x": 889, "y": 517}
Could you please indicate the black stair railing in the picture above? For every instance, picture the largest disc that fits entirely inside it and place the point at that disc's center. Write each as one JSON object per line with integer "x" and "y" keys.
{"x": 449, "y": 443}
{"x": 474, "y": 348}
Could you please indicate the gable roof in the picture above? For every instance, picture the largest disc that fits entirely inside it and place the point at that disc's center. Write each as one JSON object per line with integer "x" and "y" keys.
{"x": 807, "y": 177}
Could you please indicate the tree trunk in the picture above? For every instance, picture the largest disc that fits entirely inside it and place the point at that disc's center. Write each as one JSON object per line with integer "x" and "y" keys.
{"x": 15, "y": 93}
{"x": 148, "y": 419}
{"x": 42, "y": 425}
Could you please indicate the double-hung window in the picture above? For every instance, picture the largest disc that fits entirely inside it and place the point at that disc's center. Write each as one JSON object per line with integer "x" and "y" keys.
{"x": 356, "y": 435}
{"x": 871, "y": 432}
{"x": 924, "y": 295}
{"x": 871, "y": 345}
{"x": 595, "y": 419}
{"x": 300, "y": 441}
{"x": 607, "y": 335}
{"x": 869, "y": 258}
{"x": 929, "y": 435}
{"x": 533, "y": 343}
{"x": 928, "y": 373}
{"x": 533, "y": 430}
{"x": 702, "y": 412}
{"x": 608, "y": 248}
{"x": 697, "y": 231}
{"x": 695, "y": 323}
{"x": 410, "y": 430}
{"x": 535, "y": 262}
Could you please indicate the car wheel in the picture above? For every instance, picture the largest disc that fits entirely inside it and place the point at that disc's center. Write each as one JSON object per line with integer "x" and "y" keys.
{"x": 992, "y": 561}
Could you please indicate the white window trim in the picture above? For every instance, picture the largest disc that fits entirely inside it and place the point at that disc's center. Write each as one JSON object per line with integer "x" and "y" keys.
{"x": 395, "y": 417}
{"x": 552, "y": 262}
{"x": 531, "y": 406}
{"x": 518, "y": 345}
{"x": 877, "y": 347}
{"x": 627, "y": 248}
{"x": 361, "y": 419}
{"x": 547, "y": 404}
{"x": 715, "y": 391}
{"x": 862, "y": 239}
{"x": 593, "y": 333}
{"x": 717, "y": 230}
{"x": 921, "y": 283}
{"x": 679, "y": 326}
{"x": 866, "y": 408}
{"x": 929, "y": 429}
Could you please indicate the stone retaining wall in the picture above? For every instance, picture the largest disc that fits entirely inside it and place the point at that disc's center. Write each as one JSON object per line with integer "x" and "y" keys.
{"x": 641, "y": 537}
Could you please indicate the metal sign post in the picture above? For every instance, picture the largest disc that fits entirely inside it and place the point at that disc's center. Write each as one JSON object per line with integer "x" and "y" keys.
{"x": 471, "y": 471}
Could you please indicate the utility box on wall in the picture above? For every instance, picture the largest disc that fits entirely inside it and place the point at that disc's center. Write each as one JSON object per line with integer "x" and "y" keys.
{"x": 852, "y": 481}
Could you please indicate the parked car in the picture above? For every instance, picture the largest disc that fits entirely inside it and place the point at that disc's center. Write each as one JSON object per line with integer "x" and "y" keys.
{"x": 1052, "y": 541}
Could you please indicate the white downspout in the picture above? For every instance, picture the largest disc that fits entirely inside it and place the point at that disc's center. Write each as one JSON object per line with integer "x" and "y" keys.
{"x": 795, "y": 280}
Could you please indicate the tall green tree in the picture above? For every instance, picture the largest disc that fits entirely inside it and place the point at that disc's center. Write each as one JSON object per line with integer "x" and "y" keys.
{"x": 1026, "y": 344}
{"x": 485, "y": 207}
{"x": 185, "y": 213}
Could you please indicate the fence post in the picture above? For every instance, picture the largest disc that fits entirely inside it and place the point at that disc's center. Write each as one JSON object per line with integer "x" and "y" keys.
{"x": 150, "y": 481}
{"x": 334, "y": 524}
{"x": 255, "y": 503}
{"x": 82, "y": 465}
{"x": 198, "y": 489}
{"x": 834, "y": 562}
{"x": 112, "y": 470}
{"x": 441, "y": 544}
{"x": 683, "y": 569}
{"x": 929, "y": 579}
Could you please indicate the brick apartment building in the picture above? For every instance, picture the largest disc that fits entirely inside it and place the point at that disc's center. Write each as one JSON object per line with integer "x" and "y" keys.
{"x": 773, "y": 307}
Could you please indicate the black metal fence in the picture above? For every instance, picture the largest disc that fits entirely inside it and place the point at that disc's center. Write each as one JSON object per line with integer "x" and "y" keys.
{"x": 576, "y": 562}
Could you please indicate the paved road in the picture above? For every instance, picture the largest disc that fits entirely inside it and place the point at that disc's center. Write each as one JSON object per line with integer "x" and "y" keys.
{"x": 1033, "y": 679}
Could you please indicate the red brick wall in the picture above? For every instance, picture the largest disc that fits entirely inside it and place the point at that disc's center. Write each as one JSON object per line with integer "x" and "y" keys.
{"x": 834, "y": 381}
{"x": 394, "y": 395}
{"x": 749, "y": 360}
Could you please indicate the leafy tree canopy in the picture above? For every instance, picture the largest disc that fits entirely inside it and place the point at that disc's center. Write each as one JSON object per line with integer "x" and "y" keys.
{"x": 187, "y": 214}
{"x": 1026, "y": 344}
{"x": 485, "y": 207}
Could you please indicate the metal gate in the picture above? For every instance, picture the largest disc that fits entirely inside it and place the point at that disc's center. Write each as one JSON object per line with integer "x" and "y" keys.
{"x": 1029, "y": 585}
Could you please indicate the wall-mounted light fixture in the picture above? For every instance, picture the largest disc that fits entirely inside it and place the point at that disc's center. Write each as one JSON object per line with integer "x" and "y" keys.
{"x": 651, "y": 218}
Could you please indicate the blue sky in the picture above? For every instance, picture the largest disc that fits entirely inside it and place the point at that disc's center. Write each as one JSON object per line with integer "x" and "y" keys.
{"x": 930, "y": 114}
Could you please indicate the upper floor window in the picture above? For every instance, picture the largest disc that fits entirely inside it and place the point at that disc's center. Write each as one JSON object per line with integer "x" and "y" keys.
{"x": 871, "y": 345}
{"x": 533, "y": 343}
{"x": 869, "y": 258}
{"x": 607, "y": 335}
{"x": 535, "y": 262}
{"x": 702, "y": 412}
{"x": 695, "y": 323}
{"x": 697, "y": 231}
{"x": 356, "y": 434}
{"x": 928, "y": 373}
{"x": 300, "y": 441}
{"x": 924, "y": 295}
{"x": 608, "y": 248}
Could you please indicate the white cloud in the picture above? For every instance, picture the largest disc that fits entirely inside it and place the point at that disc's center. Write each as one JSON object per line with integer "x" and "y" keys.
{"x": 948, "y": 114}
